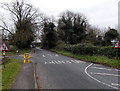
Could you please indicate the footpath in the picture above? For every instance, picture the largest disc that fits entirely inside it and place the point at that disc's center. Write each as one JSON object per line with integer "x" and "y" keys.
{"x": 25, "y": 78}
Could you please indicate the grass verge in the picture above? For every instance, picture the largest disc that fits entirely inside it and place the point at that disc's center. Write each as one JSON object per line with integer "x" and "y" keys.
{"x": 94, "y": 59}
{"x": 10, "y": 53}
{"x": 9, "y": 73}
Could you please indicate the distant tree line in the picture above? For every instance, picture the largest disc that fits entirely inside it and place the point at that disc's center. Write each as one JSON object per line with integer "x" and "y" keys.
{"x": 71, "y": 28}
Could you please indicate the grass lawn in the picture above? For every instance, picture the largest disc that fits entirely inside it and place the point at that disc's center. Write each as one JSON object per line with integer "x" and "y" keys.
{"x": 0, "y": 77}
{"x": 9, "y": 53}
{"x": 95, "y": 59}
{"x": 9, "y": 73}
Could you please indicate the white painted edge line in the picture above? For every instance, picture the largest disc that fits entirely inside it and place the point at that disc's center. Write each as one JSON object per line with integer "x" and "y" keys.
{"x": 104, "y": 74}
{"x": 97, "y": 79}
{"x": 115, "y": 84}
{"x": 105, "y": 68}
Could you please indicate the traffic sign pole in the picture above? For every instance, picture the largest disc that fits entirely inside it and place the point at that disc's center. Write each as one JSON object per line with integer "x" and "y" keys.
{"x": 117, "y": 46}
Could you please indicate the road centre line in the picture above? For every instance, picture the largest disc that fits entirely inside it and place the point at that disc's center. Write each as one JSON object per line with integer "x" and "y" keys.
{"x": 97, "y": 79}
{"x": 104, "y": 74}
{"x": 105, "y": 68}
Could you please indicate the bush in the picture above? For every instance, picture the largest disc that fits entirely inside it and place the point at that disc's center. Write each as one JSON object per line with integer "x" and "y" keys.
{"x": 60, "y": 45}
{"x": 82, "y": 49}
{"x": 109, "y": 51}
{"x": 88, "y": 49}
{"x": 12, "y": 48}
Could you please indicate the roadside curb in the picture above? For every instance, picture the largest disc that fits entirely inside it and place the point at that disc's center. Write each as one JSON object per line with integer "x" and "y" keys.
{"x": 35, "y": 76}
{"x": 37, "y": 86}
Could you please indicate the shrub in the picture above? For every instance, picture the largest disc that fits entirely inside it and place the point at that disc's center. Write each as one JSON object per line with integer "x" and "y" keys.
{"x": 82, "y": 49}
{"x": 12, "y": 48}
{"x": 109, "y": 51}
{"x": 88, "y": 49}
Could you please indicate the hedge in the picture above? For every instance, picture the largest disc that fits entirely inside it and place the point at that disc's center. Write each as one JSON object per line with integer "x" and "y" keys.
{"x": 87, "y": 49}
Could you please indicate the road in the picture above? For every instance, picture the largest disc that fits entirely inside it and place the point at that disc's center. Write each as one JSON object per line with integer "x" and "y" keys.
{"x": 55, "y": 71}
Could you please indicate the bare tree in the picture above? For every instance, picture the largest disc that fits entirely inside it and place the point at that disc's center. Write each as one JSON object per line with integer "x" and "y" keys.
{"x": 27, "y": 20}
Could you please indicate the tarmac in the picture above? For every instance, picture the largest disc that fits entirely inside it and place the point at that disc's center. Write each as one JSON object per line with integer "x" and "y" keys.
{"x": 25, "y": 78}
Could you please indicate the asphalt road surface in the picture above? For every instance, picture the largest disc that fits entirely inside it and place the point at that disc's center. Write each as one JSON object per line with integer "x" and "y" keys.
{"x": 55, "y": 71}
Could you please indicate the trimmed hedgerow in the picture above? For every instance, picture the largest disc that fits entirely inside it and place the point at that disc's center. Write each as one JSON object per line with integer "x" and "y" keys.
{"x": 87, "y": 49}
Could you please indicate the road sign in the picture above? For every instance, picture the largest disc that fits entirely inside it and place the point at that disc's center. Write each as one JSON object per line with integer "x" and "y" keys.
{"x": 3, "y": 47}
{"x": 117, "y": 45}
{"x": 26, "y": 58}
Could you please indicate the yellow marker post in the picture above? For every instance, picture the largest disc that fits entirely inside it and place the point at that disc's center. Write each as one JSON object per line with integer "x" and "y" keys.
{"x": 26, "y": 58}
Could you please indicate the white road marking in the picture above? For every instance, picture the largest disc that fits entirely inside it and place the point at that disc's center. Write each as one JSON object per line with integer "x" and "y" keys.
{"x": 56, "y": 55}
{"x": 115, "y": 84}
{"x": 43, "y": 55}
{"x": 97, "y": 64}
{"x": 77, "y": 61}
{"x": 72, "y": 60}
{"x": 50, "y": 55}
{"x": 37, "y": 48}
{"x": 63, "y": 62}
{"x": 105, "y": 68}
{"x": 52, "y": 62}
{"x": 68, "y": 61}
{"x": 97, "y": 79}
{"x": 56, "y": 62}
{"x": 59, "y": 62}
{"x": 45, "y": 62}
{"x": 104, "y": 74}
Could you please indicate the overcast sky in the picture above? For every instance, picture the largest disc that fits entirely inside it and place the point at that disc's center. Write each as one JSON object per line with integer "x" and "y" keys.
{"x": 101, "y": 13}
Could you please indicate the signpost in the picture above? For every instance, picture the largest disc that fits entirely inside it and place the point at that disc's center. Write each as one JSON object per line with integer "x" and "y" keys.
{"x": 3, "y": 48}
{"x": 117, "y": 45}
{"x": 26, "y": 58}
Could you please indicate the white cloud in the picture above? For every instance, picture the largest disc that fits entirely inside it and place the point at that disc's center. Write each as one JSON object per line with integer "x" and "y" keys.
{"x": 103, "y": 13}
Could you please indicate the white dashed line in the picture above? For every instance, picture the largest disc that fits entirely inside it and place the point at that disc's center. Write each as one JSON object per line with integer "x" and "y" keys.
{"x": 63, "y": 62}
{"x": 50, "y": 55}
{"x": 104, "y": 74}
{"x": 97, "y": 79}
{"x": 56, "y": 55}
{"x": 77, "y": 61}
{"x": 45, "y": 62}
{"x": 43, "y": 55}
{"x": 105, "y": 68}
{"x": 97, "y": 64}
{"x": 68, "y": 62}
{"x": 52, "y": 62}
{"x": 57, "y": 62}
{"x": 115, "y": 84}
